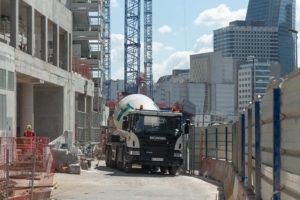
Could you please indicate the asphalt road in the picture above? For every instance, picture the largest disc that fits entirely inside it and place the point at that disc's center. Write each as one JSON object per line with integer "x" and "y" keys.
{"x": 105, "y": 183}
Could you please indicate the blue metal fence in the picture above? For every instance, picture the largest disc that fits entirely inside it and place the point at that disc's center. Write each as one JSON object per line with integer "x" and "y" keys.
{"x": 261, "y": 123}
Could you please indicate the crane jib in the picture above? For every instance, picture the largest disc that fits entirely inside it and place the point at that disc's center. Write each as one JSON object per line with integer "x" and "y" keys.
{"x": 127, "y": 107}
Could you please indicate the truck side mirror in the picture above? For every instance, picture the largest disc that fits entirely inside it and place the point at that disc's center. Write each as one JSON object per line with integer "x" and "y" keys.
{"x": 186, "y": 128}
{"x": 125, "y": 124}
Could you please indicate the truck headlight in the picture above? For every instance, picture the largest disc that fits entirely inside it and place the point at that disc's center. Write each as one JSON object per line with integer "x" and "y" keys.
{"x": 134, "y": 153}
{"x": 179, "y": 155}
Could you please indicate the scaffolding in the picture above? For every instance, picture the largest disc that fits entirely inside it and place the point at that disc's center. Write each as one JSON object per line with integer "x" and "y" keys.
{"x": 87, "y": 128}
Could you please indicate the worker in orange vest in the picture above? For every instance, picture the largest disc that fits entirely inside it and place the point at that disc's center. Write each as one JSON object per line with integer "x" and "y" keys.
{"x": 28, "y": 132}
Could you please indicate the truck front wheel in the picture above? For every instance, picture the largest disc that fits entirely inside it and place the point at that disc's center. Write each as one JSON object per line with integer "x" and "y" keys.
{"x": 163, "y": 169}
{"x": 172, "y": 170}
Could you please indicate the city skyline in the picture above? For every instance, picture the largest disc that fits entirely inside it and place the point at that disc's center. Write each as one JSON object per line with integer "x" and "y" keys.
{"x": 171, "y": 44}
{"x": 279, "y": 14}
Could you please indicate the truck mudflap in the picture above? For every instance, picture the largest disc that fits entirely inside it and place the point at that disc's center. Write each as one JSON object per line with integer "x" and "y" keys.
{"x": 166, "y": 161}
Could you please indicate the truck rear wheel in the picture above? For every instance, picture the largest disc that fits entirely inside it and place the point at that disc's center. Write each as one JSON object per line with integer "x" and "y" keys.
{"x": 119, "y": 160}
{"x": 126, "y": 165}
{"x": 111, "y": 163}
{"x": 172, "y": 170}
{"x": 163, "y": 169}
{"x": 107, "y": 157}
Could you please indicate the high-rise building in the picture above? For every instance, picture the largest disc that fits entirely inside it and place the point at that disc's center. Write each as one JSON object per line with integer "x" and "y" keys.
{"x": 242, "y": 39}
{"x": 258, "y": 10}
{"x": 262, "y": 72}
{"x": 209, "y": 84}
{"x": 280, "y": 14}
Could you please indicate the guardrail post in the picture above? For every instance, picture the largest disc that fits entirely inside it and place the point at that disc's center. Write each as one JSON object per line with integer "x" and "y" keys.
{"x": 216, "y": 143}
{"x": 226, "y": 144}
{"x": 237, "y": 146}
{"x": 232, "y": 144}
{"x": 257, "y": 152}
{"x": 206, "y": 142}
{"x": 201, "y": 149}
{"x": 276, "y": 143}
{"x": 249, "y": 173}
{"x": 242, "y": 126}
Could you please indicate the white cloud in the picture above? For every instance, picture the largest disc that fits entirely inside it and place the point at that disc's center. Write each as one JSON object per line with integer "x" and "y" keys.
{"x": 165, "y": 29}
{"x": 204, "y": 44}
{"x": 157, "y": 47}
{"x": 164, "y": 58}
{"x": 170, "y": 49}
{"x": 220, "y": 15}
{"x": 117, "y": 47}
{"x": 177, "y": 60}
{"x": 297, "y": 11}
{"x": 114, "y": 3}
{"x": 117, "y": 56}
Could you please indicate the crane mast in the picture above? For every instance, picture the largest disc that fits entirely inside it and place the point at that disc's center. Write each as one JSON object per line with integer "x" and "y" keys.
{"x": 107, "y": 61}
{"x": 148, "y": 48}
{"x": 132, "y": 46}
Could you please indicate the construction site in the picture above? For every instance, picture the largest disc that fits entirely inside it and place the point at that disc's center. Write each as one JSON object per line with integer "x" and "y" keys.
{"x": 55, "y": 78}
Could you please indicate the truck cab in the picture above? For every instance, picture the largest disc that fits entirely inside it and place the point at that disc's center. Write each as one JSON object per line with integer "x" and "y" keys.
{"x": 154, "y": 139}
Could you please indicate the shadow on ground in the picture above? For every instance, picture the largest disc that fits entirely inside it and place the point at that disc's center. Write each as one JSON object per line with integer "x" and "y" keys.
{"x": 135, "y": 172}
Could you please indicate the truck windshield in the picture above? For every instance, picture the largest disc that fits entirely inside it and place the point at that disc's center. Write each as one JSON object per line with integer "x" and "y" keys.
{"x": 158, "y": 124}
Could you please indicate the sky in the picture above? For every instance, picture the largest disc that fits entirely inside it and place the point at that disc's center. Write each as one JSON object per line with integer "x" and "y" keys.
{"x": 180, "y": 28}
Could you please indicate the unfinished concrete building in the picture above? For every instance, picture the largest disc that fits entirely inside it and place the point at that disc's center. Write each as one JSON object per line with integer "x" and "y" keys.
{"x": 88, "y": 47}
{"x": 38, "y": 83}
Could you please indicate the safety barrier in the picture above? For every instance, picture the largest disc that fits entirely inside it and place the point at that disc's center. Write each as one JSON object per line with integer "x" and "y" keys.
{"x": 262, "y": 147}
{"x": 82, "y": 68}
{"x": 25, "y": 163}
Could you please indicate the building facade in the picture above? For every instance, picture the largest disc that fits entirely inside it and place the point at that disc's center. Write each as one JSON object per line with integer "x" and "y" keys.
{"x": 263, "y": 72}
{"x": 117, "y": 87}
{"x": 38, "y": 85}
{"x": 280, "y": 14}
{"x": 209, "y": 84}
{"x": 216, "y": 73}
{"x": 242, "y": 39}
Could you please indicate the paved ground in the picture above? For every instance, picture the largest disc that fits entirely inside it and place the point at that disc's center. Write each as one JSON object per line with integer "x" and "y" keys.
{"x": 105, "y": 183}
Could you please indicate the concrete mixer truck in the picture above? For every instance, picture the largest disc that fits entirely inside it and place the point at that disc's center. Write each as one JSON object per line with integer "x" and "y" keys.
{"x": 145, "y": 136}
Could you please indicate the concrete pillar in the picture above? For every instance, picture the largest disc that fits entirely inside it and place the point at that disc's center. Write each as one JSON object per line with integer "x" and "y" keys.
{"x": 66, "y": 52}
{"x": 56, "y": 45}
{"x": 30, "y": 31}
{"x": 44, "y": 38}
{"x": 70, "y": 52}
{"x": 68, "y": 110}
{"x": 27, "y": 106}
{"x": 14, "y": 23}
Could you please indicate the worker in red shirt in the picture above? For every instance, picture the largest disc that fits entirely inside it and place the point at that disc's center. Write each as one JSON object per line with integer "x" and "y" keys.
{"x": 28, "y": 132}
{"x": 29, "y": 139}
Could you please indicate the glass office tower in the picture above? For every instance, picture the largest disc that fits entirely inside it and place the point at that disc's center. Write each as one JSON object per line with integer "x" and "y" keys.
{"x": 281, "y": 14}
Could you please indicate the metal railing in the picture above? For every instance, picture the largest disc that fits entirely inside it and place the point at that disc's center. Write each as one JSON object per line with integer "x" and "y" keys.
{"x": 263, "y": 145}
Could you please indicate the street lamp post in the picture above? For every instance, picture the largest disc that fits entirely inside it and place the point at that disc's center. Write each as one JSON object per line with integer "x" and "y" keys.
{"x": 252, "y": 77}
{"x": 295, "y": 32}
